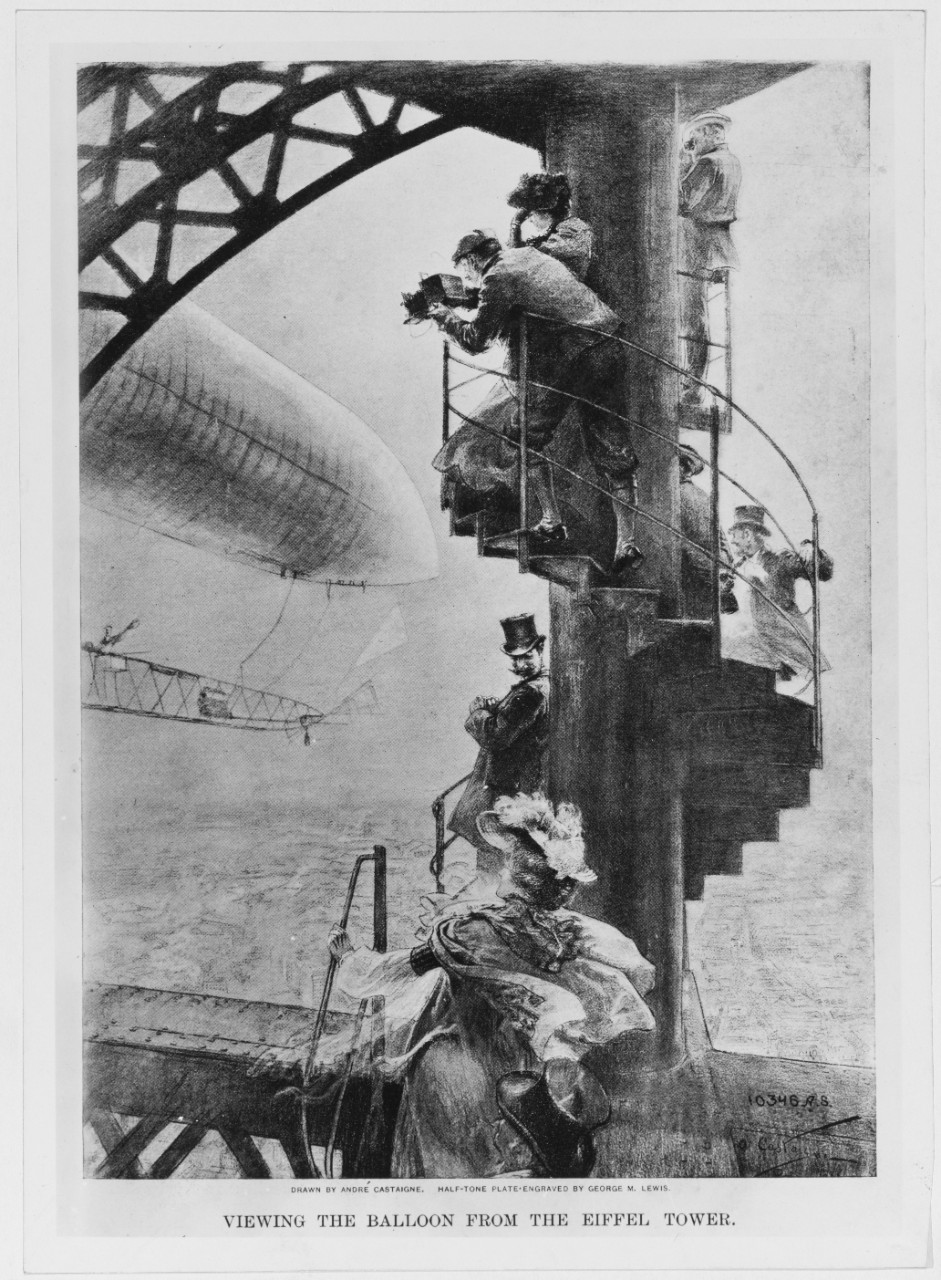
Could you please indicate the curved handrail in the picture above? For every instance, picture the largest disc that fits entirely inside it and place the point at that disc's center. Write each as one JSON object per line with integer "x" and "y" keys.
{"x": 436, "y": 865}
{"x": 646, "y": 515}
{"x": 631, "y": 422}
{"x": 717, "y": 395}
{"x": 690, "y": 377}
{"x": 524, "y": 381}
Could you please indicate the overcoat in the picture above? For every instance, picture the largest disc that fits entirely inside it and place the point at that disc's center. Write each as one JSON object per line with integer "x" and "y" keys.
{"x": 569, "y": 242}
{"x": 758, "y": 633}
{"x": 571, "y": 353}
{"x": 513, "y": 733}
{"x": 708, "y": 201}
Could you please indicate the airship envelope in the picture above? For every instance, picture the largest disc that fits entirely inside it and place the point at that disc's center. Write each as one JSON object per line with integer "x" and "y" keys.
{"x": 198, "y": 434}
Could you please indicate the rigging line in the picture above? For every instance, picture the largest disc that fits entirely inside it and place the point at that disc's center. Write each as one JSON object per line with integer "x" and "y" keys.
{"x": 366, "y": 684}
{"x": 274, "y": 627}
{"x": 308, "y": 640}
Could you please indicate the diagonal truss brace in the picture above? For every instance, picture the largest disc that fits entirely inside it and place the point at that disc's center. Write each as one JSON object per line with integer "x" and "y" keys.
{"x": 192, "y": 134}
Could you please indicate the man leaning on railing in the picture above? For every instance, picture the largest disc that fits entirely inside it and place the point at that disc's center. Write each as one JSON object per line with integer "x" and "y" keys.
{"x": 770, "y": 630}
{"x": 584, "y": 362}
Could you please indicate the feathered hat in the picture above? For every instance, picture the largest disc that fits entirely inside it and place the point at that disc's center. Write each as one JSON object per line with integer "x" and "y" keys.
{"x": 540, "y": 192}
{"x": 557, "y": 832}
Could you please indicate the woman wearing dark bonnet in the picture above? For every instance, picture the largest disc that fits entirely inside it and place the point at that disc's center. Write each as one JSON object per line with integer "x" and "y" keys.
{"x": 542, "y": 201}
{"x": 487, "y": 1019}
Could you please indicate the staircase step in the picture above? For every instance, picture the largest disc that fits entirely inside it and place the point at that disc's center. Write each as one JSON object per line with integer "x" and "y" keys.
{"x": 733, "y": 684}
{"x": 694, "y": 882}
{"x": 463, "y": 526}
{"x": 718, "y": 788}
{"x": 579, "y": 572}
{"x": 723, "y": 859}
{"x": 781, "y": 733}
{"x": 504, "y": 546}
{"x": 710, "y": 826}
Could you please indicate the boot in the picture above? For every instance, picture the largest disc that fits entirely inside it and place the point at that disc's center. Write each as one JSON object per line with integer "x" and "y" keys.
{"x": 550, "y": 527}
{"x": 627, "y": 555}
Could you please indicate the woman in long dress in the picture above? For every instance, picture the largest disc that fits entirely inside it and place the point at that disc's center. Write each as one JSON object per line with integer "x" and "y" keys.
{"x": 496, "y": 1007}
{"x": 542, "y": 202}
{"x": 485, "y": 460}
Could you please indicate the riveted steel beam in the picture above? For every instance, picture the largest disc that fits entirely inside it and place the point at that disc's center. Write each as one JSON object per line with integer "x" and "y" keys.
{"x": 163, "y": 129}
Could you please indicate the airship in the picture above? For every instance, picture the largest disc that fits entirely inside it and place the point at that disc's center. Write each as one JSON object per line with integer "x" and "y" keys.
{"x": 198, "y": 434}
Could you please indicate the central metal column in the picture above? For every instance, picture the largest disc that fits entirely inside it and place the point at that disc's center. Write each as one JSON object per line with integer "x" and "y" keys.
{"x": 621, "y": 159}
{"x": 612, "y": 746}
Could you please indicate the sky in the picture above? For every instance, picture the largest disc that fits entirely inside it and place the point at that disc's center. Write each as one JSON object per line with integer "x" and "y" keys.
{"x": 322, "y": 294}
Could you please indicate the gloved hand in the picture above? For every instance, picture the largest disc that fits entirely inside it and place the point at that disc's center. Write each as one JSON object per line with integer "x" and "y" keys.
{"x": 338, "y": 943}
{"x": 438, "y": 313}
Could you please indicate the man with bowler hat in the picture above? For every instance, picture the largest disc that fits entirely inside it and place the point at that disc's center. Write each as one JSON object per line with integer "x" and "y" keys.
{"x": 770, "y": 630}
{"x": 513, "y": 734}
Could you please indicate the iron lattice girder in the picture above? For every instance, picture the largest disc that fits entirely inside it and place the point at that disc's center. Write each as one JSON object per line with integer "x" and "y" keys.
{"x": 189, "y": 136}
{"x": 137, "y": 687}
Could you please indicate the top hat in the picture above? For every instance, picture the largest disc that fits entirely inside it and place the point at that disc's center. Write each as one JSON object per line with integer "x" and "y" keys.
{"x": 471, "y": 242}
{"x": 694, "y": 461}
{"x": 520, "y": 634}
{"x": 751, "y": 518}
{"x": 556, "y": 1113}
{"x": 540, "y": 192}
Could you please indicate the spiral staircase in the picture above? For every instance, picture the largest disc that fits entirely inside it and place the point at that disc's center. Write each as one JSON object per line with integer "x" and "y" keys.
{"x": 749, "y": 750}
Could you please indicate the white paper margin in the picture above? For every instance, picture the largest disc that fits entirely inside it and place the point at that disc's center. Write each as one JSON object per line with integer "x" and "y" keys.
{"x": 880, "y": 1222}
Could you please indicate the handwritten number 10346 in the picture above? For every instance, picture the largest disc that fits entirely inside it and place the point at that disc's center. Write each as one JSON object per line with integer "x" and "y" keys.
{"x": 807, "y": 1102}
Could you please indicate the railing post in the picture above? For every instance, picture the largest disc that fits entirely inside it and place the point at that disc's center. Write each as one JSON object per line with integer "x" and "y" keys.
{"x": 446, "y": 392}
{"x": 380, "y": 919}
{"x": 523, "y": 392}
{"x": 728, "y": 345}
{"x": 815, "y": 597}
{"x": 437, "y": 861}
{"x": 715, "y": 533}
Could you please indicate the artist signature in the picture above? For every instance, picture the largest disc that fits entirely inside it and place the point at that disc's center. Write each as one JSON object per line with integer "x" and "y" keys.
{"x": 771, "y": 1144}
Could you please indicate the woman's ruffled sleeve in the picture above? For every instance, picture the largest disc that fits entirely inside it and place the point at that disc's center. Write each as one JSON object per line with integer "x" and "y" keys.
{"x": 408, "y": 994}
{"x": 366, "y": 973}
{"x": 608, "y": 945}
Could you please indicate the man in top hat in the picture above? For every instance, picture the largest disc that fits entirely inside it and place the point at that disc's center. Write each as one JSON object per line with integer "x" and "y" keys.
{"x": 709, "y": 184}
{"x": 696, "y": 525}
{"x": 770, "y": 630}
{"x": 584, "y": 361}
{"x": 513, "y": 734}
